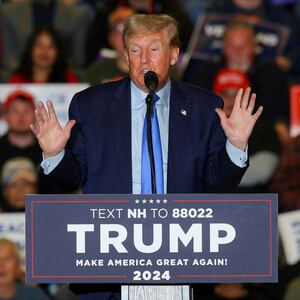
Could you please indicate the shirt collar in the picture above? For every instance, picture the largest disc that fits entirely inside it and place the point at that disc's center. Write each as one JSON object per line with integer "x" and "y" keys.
{"x": 138, "y": 96}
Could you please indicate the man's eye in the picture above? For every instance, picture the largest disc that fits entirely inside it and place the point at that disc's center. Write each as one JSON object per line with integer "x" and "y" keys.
{"x": 134, "y": 50}
{"x": 154, "y": 49}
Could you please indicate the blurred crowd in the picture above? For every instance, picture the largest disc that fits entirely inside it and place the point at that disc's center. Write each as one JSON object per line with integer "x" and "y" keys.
{"x": 73, "y": 41}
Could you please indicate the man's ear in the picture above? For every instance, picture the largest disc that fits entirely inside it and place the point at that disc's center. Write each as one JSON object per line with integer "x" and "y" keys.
{"x": 174, "y": 56}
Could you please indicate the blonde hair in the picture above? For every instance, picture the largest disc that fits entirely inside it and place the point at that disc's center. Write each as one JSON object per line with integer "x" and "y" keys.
{"x": 153, "y": 23}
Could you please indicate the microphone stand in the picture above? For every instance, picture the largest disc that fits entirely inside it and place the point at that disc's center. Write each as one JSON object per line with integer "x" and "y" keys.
{"x": 150, "y": 105}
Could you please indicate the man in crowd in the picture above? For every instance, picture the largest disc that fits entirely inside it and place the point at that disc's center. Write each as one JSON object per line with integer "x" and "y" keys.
{"x": 19, "y": 140}
{"x": 256, "y": 11}
{"x": 104, "y": 151}
{"x": 265, "y": 77}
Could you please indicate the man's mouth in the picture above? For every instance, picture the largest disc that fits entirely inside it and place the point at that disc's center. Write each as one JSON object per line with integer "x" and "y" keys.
{"x": 146, "y": 70}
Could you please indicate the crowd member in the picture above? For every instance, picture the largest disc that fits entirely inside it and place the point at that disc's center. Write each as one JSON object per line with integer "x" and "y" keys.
{"x": 109, "y": 69}
{"x": 12, "y": 275}
{"x": 97, "y": 33}
{"x": 44, "y": 60}
{"x": 21, "y": 18}
{"x": 264, "y": 145}
{"x": 263, "y": 10}
{"x": 267, "y": 80}
{"x": 19, "y": 140}
{"x": 18, "y": 178}
{"x": 105, "y": 151}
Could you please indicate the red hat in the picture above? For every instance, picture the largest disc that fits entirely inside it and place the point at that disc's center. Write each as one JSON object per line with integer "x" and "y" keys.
{"x": 228, "y": 78}
{"x": 18, "y": 94}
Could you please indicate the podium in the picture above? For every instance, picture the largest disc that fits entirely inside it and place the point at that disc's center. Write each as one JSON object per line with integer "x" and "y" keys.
{"x": 171, "y": 292}
{"x": 154, "y": 246}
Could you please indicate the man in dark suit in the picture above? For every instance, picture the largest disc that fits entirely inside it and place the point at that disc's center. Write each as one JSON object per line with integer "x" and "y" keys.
{"x": 104, "y": 152}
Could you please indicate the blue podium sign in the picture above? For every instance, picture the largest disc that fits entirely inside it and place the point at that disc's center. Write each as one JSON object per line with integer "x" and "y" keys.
{"x": 151, "y": 239}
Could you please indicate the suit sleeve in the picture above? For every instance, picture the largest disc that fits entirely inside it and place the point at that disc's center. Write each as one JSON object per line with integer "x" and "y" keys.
{"x": 70, "y": 174}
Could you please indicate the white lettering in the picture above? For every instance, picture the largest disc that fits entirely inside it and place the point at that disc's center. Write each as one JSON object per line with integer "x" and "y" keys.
{"x": 216, "y": 239}
{"x": 194, "y": 233}
{"x": 138, "y": 238}
{"x": 117, "y": 241}
{"x": 80, "y": 230}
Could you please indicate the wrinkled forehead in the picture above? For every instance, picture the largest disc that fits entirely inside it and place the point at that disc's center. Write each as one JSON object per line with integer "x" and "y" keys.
{"x": 147, "y": 40}
{"x": 144, "y": 35}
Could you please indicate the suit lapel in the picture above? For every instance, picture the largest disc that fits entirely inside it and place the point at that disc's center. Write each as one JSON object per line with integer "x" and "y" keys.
{"x": 120, "y": 116}
{"x": 180, "y": 112}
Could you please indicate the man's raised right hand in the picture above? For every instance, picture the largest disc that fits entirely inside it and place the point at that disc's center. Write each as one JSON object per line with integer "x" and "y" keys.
{"x": 50, "y": 135}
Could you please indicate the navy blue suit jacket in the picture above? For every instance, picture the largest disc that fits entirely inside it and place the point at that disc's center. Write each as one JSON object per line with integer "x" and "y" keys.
{"x": 98, "y": 155}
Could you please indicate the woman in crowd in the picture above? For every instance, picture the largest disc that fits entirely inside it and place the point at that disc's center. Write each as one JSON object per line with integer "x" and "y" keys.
{"x": 43, "y": 60}
{"x": 12, "y": 275}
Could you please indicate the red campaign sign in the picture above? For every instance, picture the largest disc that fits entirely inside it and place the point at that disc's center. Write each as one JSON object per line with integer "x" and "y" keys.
{"x": 295, "y": 110}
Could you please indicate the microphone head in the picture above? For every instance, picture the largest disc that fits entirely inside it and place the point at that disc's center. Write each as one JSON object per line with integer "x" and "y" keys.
{"x": 151, "y": 81}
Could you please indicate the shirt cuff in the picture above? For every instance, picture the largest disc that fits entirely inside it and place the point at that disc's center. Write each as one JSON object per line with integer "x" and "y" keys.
{"x": 237, "y": 156}
{"x": 49, "y": 164}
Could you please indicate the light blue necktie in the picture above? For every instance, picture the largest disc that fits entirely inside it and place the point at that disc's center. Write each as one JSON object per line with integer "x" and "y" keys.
{"x": 146, "y": 170}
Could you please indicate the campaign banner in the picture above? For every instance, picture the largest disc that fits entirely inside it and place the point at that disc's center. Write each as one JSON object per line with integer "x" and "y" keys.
{"x": 289, "y": 230}
{"x": 206, "y": 41}
{"x": 59, "y": 93}
{"x": 12, "y": 227}
{"x": 150, "y": 239}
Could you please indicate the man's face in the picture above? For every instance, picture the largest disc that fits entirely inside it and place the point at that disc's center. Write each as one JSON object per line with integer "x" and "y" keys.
{"x": 19, "y": 116}
{"x": 150, "y": 52}
{"x": 239, "y": 49}
{"x": 9, "y": 265}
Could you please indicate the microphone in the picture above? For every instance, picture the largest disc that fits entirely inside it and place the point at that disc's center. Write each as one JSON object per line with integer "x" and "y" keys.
{"x": 151, "y": 81}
